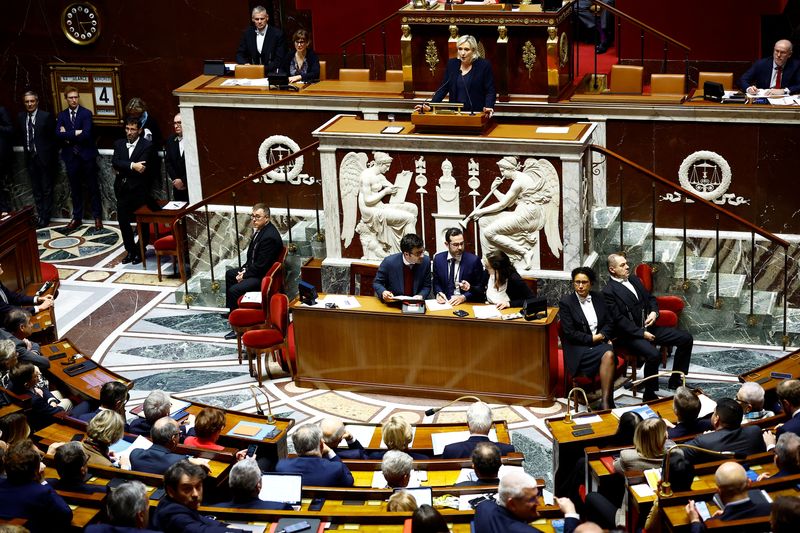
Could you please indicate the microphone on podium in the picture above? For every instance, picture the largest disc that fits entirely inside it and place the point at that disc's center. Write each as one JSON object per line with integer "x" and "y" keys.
{"x": 633, "y": 384}
{"x": 432, "y": 411}
{"x": 259, "y": 410}
{"x": 425, "y": 102}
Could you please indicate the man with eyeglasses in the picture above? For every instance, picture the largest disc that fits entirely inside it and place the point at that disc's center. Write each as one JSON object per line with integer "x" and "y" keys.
{"x": 261, "y": 44}
{"x": 779, "y": 74}
{"x": 407, "y": 273}
{"x": 264, "y": 248}
{"x": 457, "y": 274}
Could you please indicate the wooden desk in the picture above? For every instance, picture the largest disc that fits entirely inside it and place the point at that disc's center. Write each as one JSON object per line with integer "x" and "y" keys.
{"x": 145, "y": 215}
{"x": 789, "y": 364}
{"x": 423, "y": 433}
{"x": 436, "y": 354}
{"x": 89, "y": 383}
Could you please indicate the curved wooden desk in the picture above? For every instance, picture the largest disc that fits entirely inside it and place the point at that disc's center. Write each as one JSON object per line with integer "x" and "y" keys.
{"x": 376, "y": 348}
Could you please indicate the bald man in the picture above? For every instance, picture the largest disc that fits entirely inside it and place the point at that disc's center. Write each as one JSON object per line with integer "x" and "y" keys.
{"x": 732, "y": 487}
{"x": 333, "y": 431}
{"x": 779, "y": 74}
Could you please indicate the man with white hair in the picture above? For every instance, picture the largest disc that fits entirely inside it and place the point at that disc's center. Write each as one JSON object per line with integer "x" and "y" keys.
{"x": 751, "y": 398}
{"x": 479, "y": 420}
{"x": 515, "y": 507}
{"x": 396, "y": 467}
{"x": 317, "y": 463}
{"x": 333, "y": 431}
{"x": 245, "y": 483}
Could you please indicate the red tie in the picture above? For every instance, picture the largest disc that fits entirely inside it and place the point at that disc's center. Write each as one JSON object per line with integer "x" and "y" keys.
{"x": 408, "y": 280}
{"x": 778, "y": 77}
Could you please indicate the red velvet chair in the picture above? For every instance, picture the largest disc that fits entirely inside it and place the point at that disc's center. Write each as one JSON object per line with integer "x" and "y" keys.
{"x": 277, "y": 275}
{"x": 168, "y": 246}
{"x": 243, "y": 320}
{"x": 273, "y": 341}
{"x": 669, "y": 307}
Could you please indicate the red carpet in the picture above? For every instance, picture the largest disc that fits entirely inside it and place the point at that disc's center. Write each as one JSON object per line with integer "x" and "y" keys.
{"x": 585, "y": 60}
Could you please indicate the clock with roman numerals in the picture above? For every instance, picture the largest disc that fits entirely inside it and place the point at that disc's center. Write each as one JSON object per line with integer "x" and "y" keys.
{"x": 80, "y": 22}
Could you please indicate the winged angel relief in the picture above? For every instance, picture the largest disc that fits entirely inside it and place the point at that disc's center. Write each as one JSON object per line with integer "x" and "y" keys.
{"x": 535, "y": 195}
{"x": 363, "y": 187}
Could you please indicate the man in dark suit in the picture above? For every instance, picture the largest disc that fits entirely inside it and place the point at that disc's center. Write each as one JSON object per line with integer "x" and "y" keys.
{"x": 686, "y": 406}
{"x": 779, "y": 73}
{"x": 407, "y": 273}
{"x": 486, "y": 462}
{"x": 515, "y": 507}
{"x": 261, "y": 44}
{"x": 315, "y": 462}
{"x": 132, "y": 161}
{"x": 245, "y": 484}
{"x": 479, "y": 421}
{"x": 39, "y": 142}
{"x": 729, "y": 435}
{"x": 333, "y": 431}
{"x": 176, "y": 162}
{"x": 159, "y": 457}
{"x": 789, "y": 396}
{"x": 787, "y": 457}
{"x": 6, "y": 157}
{"x": 71, "y": 464}
{"x": 635, "y": 311}
{"x": 732, "y": 487}
{"x": 127, "y": 510}
{"x": 264, "y": 248}
{"x": 157, "y": 405}
{"x": 113, "y": 396}
{"x": 79, "y": 153}
{"x": 10, "y": 299}
{"x": 18, "y": 328}
{"x": 457, "y": 274}
{"x": 177, "y": 510}
{"x": 22, "y": 494}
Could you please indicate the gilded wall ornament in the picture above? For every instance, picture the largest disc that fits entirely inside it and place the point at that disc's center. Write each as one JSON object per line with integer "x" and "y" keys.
{"x": 563, "y": 49}
{"x": 432, "y": 56}
{"x": 529, "y": 56}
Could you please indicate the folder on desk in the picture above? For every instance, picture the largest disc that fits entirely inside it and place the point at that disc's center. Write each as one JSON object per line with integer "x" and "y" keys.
{"x": 253, "y": 430}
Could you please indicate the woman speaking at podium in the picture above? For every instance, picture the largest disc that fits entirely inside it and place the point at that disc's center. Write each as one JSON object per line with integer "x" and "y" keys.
{"x": 468, "y": 80}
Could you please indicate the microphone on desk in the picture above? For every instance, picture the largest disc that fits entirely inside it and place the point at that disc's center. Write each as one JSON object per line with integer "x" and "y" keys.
{"x": 425, "y": 102}
{"x": 665, "y": 488}
{"x": 259, "y": 410}
{"x": 469, "y": 99}
{"x": 432, "y": 411}
{"x": 631, "y": 385}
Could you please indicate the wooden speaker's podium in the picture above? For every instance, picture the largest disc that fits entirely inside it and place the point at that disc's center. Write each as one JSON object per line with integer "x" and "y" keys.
{"x": 448, "y": 118}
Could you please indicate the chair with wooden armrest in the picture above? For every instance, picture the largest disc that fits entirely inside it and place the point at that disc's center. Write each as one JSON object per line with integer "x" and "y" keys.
{"x": 394, "y": 75}
{"x": 667, "y": 84}
{"x": 354, "y": 74}
{"x": 724, "y": 78}
{"x": 272, "y": 341}
{"x": 361, "y": 277}
{"x": 323, "y": 70}
{"x": 626, "y": 79}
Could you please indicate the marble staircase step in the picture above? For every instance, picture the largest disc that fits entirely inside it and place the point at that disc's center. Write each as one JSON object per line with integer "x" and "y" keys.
{"x": 731, "y": 289}
{"x": 667, "y": 254}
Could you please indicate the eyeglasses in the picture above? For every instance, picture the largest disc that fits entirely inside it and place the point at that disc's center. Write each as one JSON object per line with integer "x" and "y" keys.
{"x": 257, "y": 217}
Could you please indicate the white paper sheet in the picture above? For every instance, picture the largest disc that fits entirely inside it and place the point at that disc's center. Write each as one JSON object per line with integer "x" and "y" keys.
{"x": 440, "y": 440}
{"x": 252, "y": 297}
{"x": 363, "y": 434}
{"x": 552, "y": 129}
{"x": 433, "y": 305}
{"x": 707, "y": 406}
{"x": 485, "y": 311}
{"x": 170, "y": 206}
{"x": 342, "y": 301}
{"x": 643, "y": 490}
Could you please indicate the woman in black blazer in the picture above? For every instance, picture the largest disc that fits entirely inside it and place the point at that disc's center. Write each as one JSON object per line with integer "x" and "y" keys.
{"x": 302, "y": 64}
{"x": 504, "y": 286}
{"x": 586, "y": 327}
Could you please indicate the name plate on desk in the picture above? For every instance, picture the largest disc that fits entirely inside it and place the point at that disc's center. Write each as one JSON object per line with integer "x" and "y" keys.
{"x": 477, "y": 123}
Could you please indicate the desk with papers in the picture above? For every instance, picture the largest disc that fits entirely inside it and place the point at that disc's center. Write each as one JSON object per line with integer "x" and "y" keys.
{"x": 375, "y": 347}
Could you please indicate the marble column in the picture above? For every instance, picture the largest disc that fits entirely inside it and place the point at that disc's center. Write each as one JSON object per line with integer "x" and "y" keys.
{"x": 194, "y": 184}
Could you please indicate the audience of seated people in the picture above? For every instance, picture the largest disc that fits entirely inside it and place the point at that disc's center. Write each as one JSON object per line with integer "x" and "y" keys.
{"x": 207, "y": 427}
{"x": 396, "y": 467}
{"x": 333, "y": 432}
{"x": 22, "y": 494}
{"x": 732, "y": 487}
{"x": 479, "y": 421}
{"x": 17, "y": 328}
{"x": 486, "y": 462}
{"x": 244, "y": 481}
{"x": 315, "y": 462}
{"x": 650, "y": 443}
{"x": 686, "y": 406}
{"x": 103, "y": 430}
{"x": 397, "y": 435}
{"x": 25, "y": 379}
{"x": 127, "y": 510}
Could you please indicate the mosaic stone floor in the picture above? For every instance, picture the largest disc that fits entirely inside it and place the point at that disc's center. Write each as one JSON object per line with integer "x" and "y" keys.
{"x": 124, "y": 318}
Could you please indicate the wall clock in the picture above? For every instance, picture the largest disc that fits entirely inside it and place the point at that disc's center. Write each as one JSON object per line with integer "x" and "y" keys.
{"x": 80, "y": 22}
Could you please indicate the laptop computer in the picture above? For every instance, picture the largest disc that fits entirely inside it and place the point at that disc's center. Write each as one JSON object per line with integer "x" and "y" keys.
{"x": 286, "y": 488}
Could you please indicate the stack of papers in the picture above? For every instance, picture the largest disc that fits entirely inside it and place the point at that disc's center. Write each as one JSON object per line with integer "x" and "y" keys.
{"x": 246, "y": 82}
{"x": 440, "y": 440}
{"x": 486, "y": 311}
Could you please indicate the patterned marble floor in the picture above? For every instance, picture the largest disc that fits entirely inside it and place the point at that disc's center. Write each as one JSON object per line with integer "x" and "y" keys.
{"x": 121, "y": 316}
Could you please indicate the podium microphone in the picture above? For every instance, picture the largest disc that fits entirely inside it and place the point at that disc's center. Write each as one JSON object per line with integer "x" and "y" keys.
{"x": 469, "y": 99}
{"x": 259, "y": 410}
{"x": 432, "y": 411}
{"x": 425, "y": 102}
